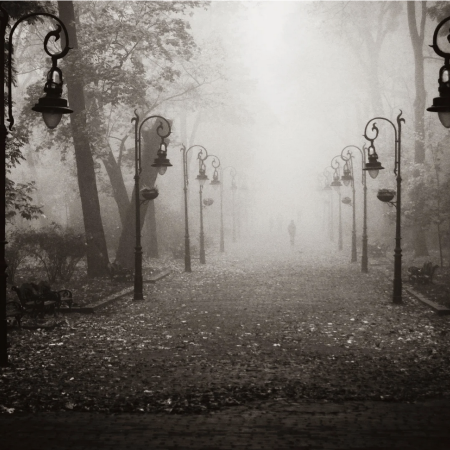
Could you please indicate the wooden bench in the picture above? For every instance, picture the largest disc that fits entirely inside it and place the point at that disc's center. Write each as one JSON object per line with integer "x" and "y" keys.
{"x": 422, "y": 275}
{"x": 37, "y": 300}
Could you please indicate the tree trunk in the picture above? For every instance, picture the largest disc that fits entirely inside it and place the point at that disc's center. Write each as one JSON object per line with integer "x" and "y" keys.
{"x": 126, "y": 248}
{"x": 97, "y": 253}
{"x": 118, "y": 186}
{"x": 417, "y": 36}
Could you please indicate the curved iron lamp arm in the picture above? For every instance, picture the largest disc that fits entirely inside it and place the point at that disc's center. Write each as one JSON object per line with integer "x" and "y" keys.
{"x": 185, "y": 153}
{"x": 336, "y": 167}
{"x": 55, "y": 56}
{"x": 159, "y": 132}
{"x": 435, "y": 45}
{"x": 397, "y": 133}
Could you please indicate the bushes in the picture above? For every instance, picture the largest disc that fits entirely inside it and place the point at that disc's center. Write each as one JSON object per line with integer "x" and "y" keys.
{"x": 59, "y": 251}
{"x": 16, "y": 252}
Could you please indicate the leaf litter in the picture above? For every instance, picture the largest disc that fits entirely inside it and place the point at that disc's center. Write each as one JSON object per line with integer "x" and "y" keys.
{"x": 296, "y": 330}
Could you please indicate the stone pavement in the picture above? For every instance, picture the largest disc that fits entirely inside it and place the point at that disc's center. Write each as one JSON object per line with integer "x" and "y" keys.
{"x": 271, "y": 425}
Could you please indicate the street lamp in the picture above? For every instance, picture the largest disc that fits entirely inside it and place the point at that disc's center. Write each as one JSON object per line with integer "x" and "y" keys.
{"x": 347, "y": 178}
{"x": 202, "y": 178}
{"x": 187, "y": 245}
{"x": 52, "y": 107}
{"x": 373, "y": 166}
{"x": 161, "y": 163}
{"x": 441, "y": 104}
{"x": 336, "y": 185}
{"x": 222, "y": 233}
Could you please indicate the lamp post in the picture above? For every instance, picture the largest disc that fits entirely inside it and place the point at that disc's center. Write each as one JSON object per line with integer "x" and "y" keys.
{"x": 374, "y": 166}
{"x": 336, "y": 185}
{"x": 202, "y": 178}
{"x": 441, "y": 104}
{"x": 52, "y": 107}
{"x": 222, "y": 233}
{"x": 187, "y": 245}
{"x": 162, "y": 163}
{"x": 348, "y": 158}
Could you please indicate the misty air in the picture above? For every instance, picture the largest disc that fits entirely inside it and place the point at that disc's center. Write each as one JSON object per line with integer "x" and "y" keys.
{"x": 225, "y": 225}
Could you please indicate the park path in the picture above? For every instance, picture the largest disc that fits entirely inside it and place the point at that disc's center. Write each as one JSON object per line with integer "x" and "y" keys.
{"x": 271, "y": 426}
{"x": 256, "y": 319}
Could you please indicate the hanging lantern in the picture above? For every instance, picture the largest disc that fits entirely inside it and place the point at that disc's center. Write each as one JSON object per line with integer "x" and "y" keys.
{"x": 52, "y": 106}
{"x": 347, "y": 177}
{"x": 215, "y": 183}
{"x": 161, "y": 161}
{"x": 373, "y": 166}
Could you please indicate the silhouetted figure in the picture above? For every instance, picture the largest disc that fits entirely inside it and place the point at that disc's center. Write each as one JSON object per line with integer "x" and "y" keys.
{"x": 291, "y": 231}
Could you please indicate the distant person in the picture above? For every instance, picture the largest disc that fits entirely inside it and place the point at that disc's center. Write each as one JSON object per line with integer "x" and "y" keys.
{"x": 291, "y": 231}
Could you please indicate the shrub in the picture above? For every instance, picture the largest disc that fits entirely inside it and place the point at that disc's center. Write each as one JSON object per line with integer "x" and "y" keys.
{"x": 16, "y": 251}
{"x": 58, "y": 250}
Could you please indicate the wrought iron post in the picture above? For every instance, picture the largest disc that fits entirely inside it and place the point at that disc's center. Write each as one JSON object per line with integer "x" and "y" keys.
{"x": 52, "y": 107}
{"x": 374, "y": 166}
{"x": 161, "y": 162}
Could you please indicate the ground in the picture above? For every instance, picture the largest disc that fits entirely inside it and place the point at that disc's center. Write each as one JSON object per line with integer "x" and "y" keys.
{"x": 254, "y": 324}
{"x": 264, "y": 347}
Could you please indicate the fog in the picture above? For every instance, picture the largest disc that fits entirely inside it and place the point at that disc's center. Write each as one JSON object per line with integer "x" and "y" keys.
{"x": 284, "y": 87}
{"x": 308, "y": 97}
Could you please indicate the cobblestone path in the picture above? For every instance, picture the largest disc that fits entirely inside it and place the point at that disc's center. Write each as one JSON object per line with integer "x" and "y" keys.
{"x": 275, "y": 349}
{"x": 272, "y": 426}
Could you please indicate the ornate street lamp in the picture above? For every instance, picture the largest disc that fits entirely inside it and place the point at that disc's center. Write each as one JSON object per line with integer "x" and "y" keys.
{"x": 202, "y": 178}
{"x": 348, "y": 177}
{"x": 441, "y": 104}
{"x": 373, "y": 166}
{"x": 161, "y": 163}
{"x": 187, "y": 245}
{"x": 336, "y": 185}
{"x": 52, "y": 107}
{"x": 222, "y": 232}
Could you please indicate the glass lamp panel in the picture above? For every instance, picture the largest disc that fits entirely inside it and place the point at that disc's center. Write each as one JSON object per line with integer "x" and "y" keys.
{"x": 51, "y": 119}
{"x": 444, "y": 117}
{"x": 162, "y": 170}
{"x": 373, "y": 173}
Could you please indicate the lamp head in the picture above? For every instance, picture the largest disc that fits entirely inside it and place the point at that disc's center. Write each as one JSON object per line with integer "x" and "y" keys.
{"x": 373, "y": 166}
{"x": 202, "y": 177}
{"x": 347, "y": 177}
{"x": 441, "y": 104}
{"x": 52, "y": 106}
{"x": 215, "y": 183}
{"x": 161, "y": 161}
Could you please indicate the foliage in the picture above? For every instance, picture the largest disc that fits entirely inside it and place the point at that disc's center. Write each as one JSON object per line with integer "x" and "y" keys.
{"x": 59, "y": 251}
{"x": 15, "y": 252}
